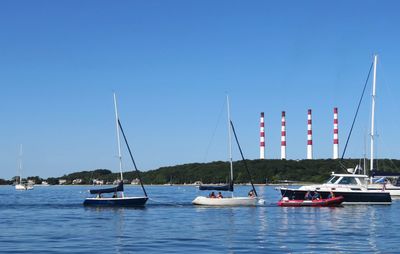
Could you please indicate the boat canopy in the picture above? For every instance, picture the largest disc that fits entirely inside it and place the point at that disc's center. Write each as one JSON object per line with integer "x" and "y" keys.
{"x": 380, "y": 173}
{"x": 119, "y": 187}
{"x": 227, "y": 187}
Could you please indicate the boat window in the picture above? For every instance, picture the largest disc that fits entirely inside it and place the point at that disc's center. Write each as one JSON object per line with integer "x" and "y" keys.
{"x": 348, "y": 180}
{"x": 333, "y": 179}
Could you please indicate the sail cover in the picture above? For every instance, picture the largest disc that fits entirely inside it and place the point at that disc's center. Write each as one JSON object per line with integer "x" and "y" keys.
{"x": 119, "y": 187}
{"x": 227, "y": 187}
{"x": 380, "y": 173}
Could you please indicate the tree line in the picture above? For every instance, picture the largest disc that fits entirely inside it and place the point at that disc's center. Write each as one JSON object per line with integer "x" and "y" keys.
{"x": 262, "y": 171}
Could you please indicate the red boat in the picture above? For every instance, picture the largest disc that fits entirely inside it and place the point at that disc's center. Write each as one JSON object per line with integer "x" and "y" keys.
{"x": 336, "y": 201}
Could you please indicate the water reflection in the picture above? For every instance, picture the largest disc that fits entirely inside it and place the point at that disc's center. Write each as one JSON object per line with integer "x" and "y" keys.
{"x": 111, "y": 208}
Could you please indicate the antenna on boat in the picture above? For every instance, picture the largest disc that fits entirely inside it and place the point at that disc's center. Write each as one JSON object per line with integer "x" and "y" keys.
{"x": 373, "y": 113}
{"x": 230, "y": 140}
{"x": 118, "y": 139}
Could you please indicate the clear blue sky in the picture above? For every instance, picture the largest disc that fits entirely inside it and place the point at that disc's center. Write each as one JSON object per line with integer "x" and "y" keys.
{"x": 171, "y": 63}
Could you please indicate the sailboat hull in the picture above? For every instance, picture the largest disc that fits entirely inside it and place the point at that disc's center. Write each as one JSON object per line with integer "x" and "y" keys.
{"x": 23, "y": 187}
{"x": 116, "y": 202}
{"x": 235, "y": 201}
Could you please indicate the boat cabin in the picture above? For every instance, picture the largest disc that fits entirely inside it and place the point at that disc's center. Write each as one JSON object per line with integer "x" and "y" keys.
{"x": 348, "y": 179}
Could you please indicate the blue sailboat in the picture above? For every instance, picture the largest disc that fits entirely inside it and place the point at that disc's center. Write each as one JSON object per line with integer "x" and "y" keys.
{"x": 118, "y": 199}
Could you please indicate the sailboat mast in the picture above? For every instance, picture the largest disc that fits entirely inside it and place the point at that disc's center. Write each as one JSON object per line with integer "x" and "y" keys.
{"x": 230, "y": 138}
{"x": 365, "y": 154}
{"x": 373, "y": 113}
{"x": 20, "y": 164}
{"x": 118, "y": 138}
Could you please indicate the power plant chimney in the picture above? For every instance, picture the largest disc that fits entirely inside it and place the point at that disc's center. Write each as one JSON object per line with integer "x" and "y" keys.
{"x": 335, "y": 134}
{"x": 262, "y": 137}
{"x": 309, "y": 136}
{"x": 283, "y": 137}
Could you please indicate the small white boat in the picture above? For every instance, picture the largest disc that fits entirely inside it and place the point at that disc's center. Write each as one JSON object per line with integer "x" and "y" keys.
{"x": 229, "y": 201}
{"x": 23, "y": 186}
{"x": 250, "y": 200}
{"x": 19, "y": 185}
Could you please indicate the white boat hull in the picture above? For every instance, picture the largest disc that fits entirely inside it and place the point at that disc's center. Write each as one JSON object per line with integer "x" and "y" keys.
{"x": 23, "y": 187}
{"x": 235, "y": 201}
{"x": 393, "y": 190}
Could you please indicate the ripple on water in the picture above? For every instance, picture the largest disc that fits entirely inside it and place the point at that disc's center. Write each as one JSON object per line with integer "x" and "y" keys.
{"x": 53, "y": 219}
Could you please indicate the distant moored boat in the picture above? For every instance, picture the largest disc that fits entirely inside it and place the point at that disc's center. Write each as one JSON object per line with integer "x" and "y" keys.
{"x": 20, "y": 185}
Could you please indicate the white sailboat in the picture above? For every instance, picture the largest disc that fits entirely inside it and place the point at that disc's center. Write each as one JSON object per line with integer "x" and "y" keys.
{"x": 380, "y": 180}
{"x": 19, "y": 185}
{"x": 226, "y": 201}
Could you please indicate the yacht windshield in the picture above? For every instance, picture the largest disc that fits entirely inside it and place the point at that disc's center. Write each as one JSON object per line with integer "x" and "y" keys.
{"x": 333, "y": 179}
{"x": 348, "y": 180}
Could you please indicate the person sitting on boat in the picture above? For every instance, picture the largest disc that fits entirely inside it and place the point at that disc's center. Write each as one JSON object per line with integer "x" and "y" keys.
{"x": 251, "y": 193}
{"x": 219, "y": 195}
{"x": 114, "y": 195}
{"x": 331, "y": 195}
{"x": 316, "y": 196}
{"x": 99, "y": 195}
{"x": 308, "y": 196}
{"x": 384, "y": 185}
{"x": 212, "y": 195}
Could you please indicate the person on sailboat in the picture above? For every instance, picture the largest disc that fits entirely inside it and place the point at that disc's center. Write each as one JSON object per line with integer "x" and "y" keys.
{"x": 219, "y": 195}
{"x": 251, "y": 193}
{"x": 115, "y": 195}
{"x": 212, "y": 195}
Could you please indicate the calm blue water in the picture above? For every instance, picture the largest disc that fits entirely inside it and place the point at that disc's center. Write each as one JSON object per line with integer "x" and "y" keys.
{"x": 52, "y": 219}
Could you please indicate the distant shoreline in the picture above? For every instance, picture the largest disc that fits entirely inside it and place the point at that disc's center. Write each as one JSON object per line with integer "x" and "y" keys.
{"x": 165, "y": 185}
{"x": 271, "y": 172}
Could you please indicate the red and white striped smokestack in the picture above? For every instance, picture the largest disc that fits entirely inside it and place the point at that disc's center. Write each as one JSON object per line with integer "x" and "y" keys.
{"x": 335, "y": 134}
{"x": 309, "y": 136}
{"x": 283, "y": 137}
{"x": 262, "y": 137}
